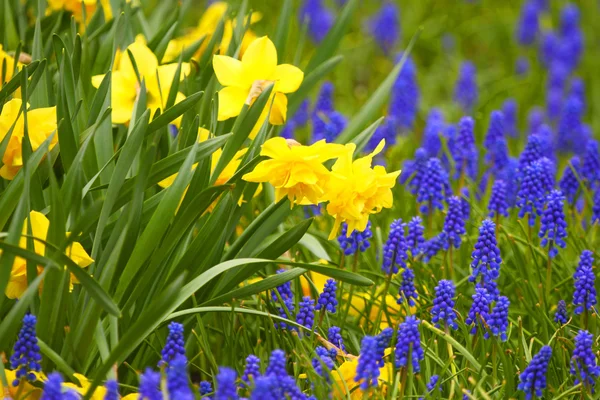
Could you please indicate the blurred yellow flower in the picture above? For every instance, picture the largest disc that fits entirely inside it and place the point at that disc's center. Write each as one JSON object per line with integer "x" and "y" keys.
{"x": 206, "y": 27}
{"x": 9, "y": 60}
{"x": 17, "y": 283}
{"x": 225, "y": 175}
{"x": 294, "y": 170}
{"x": 41, "y": 123}
{"x": 355, "y": 190}
{"x": 244, "y": 80}
{"x": 76, "y": 7}
{"x": 343, "y": 379}
{"x": 26, "y": 389}
{"x": 125, "y": 84}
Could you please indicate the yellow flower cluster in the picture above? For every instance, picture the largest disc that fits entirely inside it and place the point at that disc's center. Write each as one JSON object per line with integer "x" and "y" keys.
{"x": 353, "y": 189}
{"x": 17, "y": 283}
{"x": 41, "y": 123}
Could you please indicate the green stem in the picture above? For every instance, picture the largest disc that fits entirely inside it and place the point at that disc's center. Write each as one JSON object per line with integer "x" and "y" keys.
{"x": 549, "y": 275}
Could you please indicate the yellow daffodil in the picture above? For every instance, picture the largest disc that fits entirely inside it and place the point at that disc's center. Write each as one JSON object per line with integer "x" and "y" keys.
{"x": 225, "y": 175}
{"x": 41, "y": 123}
{"x": 9, "y": 61}
{"x": 294, "y": 170}
{"x": 17, "y": 283}
{"x": 206, "y": 27}
{"x": 355, "y": 190}
{"x": 125, "y": 84}
{"x": 244, "y": 79}
{"x": 26, "y": 389}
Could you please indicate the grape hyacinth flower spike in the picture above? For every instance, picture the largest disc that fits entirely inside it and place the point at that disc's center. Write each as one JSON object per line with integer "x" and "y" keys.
{"x": 583, "y": 363}
{"x": 407, "y": 289}
{"x": 533, "y": 379}
{"x": 466, "y": 92}
{"x": 479, "y": 312}
{"x": 442, "y": 312}
{"x": 175, "y": 344}
{"x": 367, "y": 370}
{"x": 395, "y": 249}
{"x": 327, "y": 300}
{"x": 454, "y": 224}
{"x": 498, "y": 205}
{"x": 252, "y": 369}
{"x": 553, "y": 230}
{"x": 408, "y": 345}
{"x": 26, "y": 356}
{"x": 415, "y": 238}
{"x": 486, "y": 258}
{"x": 498, "y": 320}
{"x": 357, "y": 241}
{"x": 434, "y": 187}
{"x": 584, "y": 297}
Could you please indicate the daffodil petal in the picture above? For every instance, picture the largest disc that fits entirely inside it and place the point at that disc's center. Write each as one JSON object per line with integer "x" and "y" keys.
{"x": 279, "y": 109}
{"x": 231, "y": 102}
{"x": 287, "y": 78}
{"x": 228, "y": 71}
{"x": 145, "y": 60}
{"x": 260, "y": 60}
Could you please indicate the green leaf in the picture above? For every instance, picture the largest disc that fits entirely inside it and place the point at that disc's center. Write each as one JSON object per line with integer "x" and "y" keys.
{"x": 369, "y": 110}
{"x": 171, "y": 114}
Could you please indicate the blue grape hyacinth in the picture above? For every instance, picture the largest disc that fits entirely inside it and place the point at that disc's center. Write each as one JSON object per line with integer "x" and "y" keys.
{"x": 383, "y": 342}
{"x": 112, "y": 390}
{"x": 252, "y": 369}
{"x": 433, "y": 246}
{"x": 584, "y": 297}
{"x": 357, "y": 241}
{"x": 442, "y": 312}
{"x": 569, "y": 184}
{"x": 334, "y": 335}
{"x": 322, "y": 359}
{"x": 26, "y": 356}
{"x": 465, "y": 151}
{"x": 533, "y": 151}
{"x": 433, "y": 382}
{"x": 533, "y": 379}
{"x": 466, "y": 91}
{"x": 561, "y": 316}
{"x": 590, "y": 169}
{"x": 327, "y": 300}
{"x": 367, "y": 370}
{"x": 405, "y": 96}
{"x": 318, "y": 17}
{"x": 306, "y": 312}
{"x": 554, "y": 227}
{"x": 486, "y": 258}
{"x": 409, "y": 344}
{"x": 407, "y": 289}
{"x": 498, "y": 205}
{"x": 583, "y": 362}
{"x": 415, "y": 238}
{"x": 434, "y": 187}
{"x": 52, "y": 387}
{"x": 226, "y": 387}
{"x": 395, "y": 249}
{"x": 536, "y": 183}
{"x": 510, "y": 110}
{"x": 498, "y": 320}
{"x": 205, "y": 388}
{"x": 479, "y": 311}
{"x": 177, "y": 380}
{"x": 435, "y": 127}
{"x": 454, "y": 224}
{"x": 414, "y": 171}
{"x": 570, "y": 127}
{"x": 150, "y": 385}
{"x": 276, "y": 365}
{"x": 596, "y": 207}
{"x": 528, "y": 26}
{"x": 385, "y": 27}
{"x": 493, "y": 140}
{"x": 175, "y": 344}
